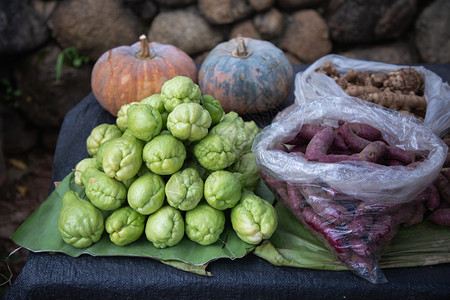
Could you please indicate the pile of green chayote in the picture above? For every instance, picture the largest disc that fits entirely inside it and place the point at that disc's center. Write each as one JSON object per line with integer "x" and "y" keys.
{"x": 171, "y": 166}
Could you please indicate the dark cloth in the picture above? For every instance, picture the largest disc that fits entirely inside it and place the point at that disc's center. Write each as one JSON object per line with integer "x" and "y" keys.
{"x": 58, "y": 276}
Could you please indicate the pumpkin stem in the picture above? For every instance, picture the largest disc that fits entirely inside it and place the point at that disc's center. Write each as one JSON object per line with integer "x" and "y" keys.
{"x": 241, "y": 49}
{"x": 145, "y": 48}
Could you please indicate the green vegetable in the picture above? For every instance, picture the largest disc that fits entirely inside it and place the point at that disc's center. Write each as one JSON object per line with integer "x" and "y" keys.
{"x": 146, "y": 194}
{"x": 122, "y": 118}
{"x": 177, "y": 90}
{"x": 90, "y": 162}
{"x": 204, "y": 224}
{"x": 164, "y": 154}
{"x": 253, "y": 219}
{"x": 189, "y": 121}
{"x": 80, "y": 223}
{"x": 144, "y": 121}
{"x": 246, "y": 165}
{"x": 165, "y": 228}
{"x": 184, "y": 189}
{"x": 157, "y": 103}
{"x": 215, "y": 152}
{"x": 214, "y": 108}
{"x": 122, "y": 157}
{"x": 101, "y": 134}
{"x": 233, "y": 128}
{"x": 125, "y": 225}
{"x": 222, "y": 189}
{"x": 104, "y": 192}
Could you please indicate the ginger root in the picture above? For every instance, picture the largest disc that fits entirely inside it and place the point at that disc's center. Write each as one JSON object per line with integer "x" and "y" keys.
{"x": 397, "y": 100}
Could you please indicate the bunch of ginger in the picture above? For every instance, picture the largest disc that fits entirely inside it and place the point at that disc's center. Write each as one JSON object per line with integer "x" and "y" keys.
{"x": 400, "y": 90}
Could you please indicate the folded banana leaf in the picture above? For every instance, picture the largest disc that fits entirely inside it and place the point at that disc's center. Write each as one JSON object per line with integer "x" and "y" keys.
{"x": 39, "y": 233}
{"x": 293, "y": 245}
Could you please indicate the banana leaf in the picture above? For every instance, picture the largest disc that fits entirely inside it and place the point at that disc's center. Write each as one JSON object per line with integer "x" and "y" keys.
{"x": 293, "y": 245}
{"x": 39, "y": 233}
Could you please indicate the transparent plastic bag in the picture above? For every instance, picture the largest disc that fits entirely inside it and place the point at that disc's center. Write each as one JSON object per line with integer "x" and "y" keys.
{"x": 355, "y": 207}
{"x": 311, "y": 84}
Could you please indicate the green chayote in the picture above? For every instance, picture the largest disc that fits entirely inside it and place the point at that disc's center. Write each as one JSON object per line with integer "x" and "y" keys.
{"x": 215, "y": 152}
{"x": 193, "y": 163}
{"x": 204, "y": 224}
{"x": 164, "y": 154}
{"x": 179, "y": 89}
{"x": 89, "y": 162}
{"x": 189, "y": 121}
{"x": 125, "y": 225}
{"x": 157, "y": 103}
{"x": 105, "y": 192}
{"x": 101, "y": 134}
{"x": 165, "y": 228}
{"x": 184, "y": 189}
{"x": 214, "y": 107}
{"x": 122, "y": 157}
{"x": 222, "y": 189}
{"x": 80, "y": 223}
{"x": 146, "y": 194}
{"x": 253, "y": 218}
{"x": 234, "y": 130}
{"x": 122, "y": 119}
{"x": 144, "y": 121}
{"x": 251, "y": 130}
{"x": 248, "y": 167}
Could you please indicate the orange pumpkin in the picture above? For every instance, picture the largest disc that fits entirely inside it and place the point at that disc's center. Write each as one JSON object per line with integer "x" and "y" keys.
{"x": 128, "y": 74}
{"x": 246, "y": 75}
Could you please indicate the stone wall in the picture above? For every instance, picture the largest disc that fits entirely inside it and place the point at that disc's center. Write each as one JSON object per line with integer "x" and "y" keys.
{"x": 48, "y": 48}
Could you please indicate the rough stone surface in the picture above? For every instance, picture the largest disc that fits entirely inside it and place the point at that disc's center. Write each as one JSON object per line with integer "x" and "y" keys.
{"x": 359, "y": 21}
{"x": 260, "y": 5}
{"x": 185, "y": 29}
{"x": 175, "y": 3}
{"x": 306, "y": 36}
{"x": 224, "y": 11}
{"x": 22, "y": 28}
{"x": 433, "y": 32}
{"x": 269, "y": 24}
{"x": 245, "y": 28}
{"x": 94, "y": 26}
{"x": 145, "y": 9}
{"x": 294, "y": 4}
{"x": 402, "y": 52}
{"x": 45, "y": 101}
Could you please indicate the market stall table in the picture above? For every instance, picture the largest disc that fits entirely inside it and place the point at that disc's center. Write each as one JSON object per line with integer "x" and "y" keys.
{"x": 56, "y": 275}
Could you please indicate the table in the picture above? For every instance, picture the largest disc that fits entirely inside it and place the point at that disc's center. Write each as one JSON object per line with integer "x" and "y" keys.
{"x": 58, "y": 276}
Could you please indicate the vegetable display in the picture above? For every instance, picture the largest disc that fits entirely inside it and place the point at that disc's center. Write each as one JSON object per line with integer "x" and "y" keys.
{"x": 127, "y": 74}
{"x": 172, "y": 183}
{"x": 246, "y": 75}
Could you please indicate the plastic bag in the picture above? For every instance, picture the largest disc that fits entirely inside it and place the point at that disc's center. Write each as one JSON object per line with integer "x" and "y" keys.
{"x": 311, "y": 84}
{"x": 355, "y": 207}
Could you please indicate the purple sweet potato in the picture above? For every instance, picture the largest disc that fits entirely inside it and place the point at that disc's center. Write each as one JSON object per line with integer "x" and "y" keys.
{"x": 355, "y": 142}
{"x": 434, "y": 198}
{"x": 295, "y": 200}
{"x": 335, "y": 237}
{"x": 446, "y": 172}
{"x": 360, "y": 247}
{"x": 381, "y": 226}
{"x": 372, "y": 152}
{"x": 440, "y": 216}
{"x": 393, "y": 152}
{"x": 365, "y": 131}
{"x": 328, "y": 209}
{"x": 360, "y": 225}
{"x": 443, "y": 185}
{"x": 417, "y": 216}
{"x": 318, "y": 146}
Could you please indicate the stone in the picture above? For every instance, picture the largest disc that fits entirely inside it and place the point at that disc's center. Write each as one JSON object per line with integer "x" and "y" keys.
{"x": 185, "y": 29}
{"x": 94, "y": 26}
{"x": 269, "y": 24}
{"x": 306, "y": 36}
{"x": 397, "y": 53}
{"x": 260, "y": 5}
{"x": 245, "y": 28}
{"x": 432, "y": 32}
{"x": 22, "y": 28}
{"x": 359, "y": 21}
{"x": 175, "y": 3}
{"x": 295, "y": 4}
{"x": 219, "y": 12}
{"x": 144, "y": 9}
{"x": 44, "y": 100}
